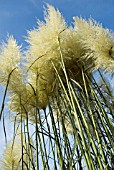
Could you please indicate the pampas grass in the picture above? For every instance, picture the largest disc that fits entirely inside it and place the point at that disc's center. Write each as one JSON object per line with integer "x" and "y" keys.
{"x": 51, "y": 88}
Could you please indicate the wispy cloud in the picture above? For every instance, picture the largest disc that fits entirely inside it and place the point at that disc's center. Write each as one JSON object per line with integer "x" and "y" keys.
{"x": 34, "y": 2}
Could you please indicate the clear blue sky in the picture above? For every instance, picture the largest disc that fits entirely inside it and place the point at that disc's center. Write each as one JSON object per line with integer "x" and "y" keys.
{"x": 18, "y": 16}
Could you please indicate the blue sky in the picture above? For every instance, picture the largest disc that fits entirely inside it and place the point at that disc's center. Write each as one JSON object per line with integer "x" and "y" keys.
{"x": 18, "y": 16}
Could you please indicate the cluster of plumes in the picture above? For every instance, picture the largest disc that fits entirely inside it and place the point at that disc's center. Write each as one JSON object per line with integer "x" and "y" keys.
{"x": 85, "y": 43}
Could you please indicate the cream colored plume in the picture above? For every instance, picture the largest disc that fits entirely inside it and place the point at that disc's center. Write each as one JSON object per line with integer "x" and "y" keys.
{"x": 9, "y": 58}
{"x": 44, "y": 40}
{"x": 12, "y": 156}
{"x": 97, "y": 42}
